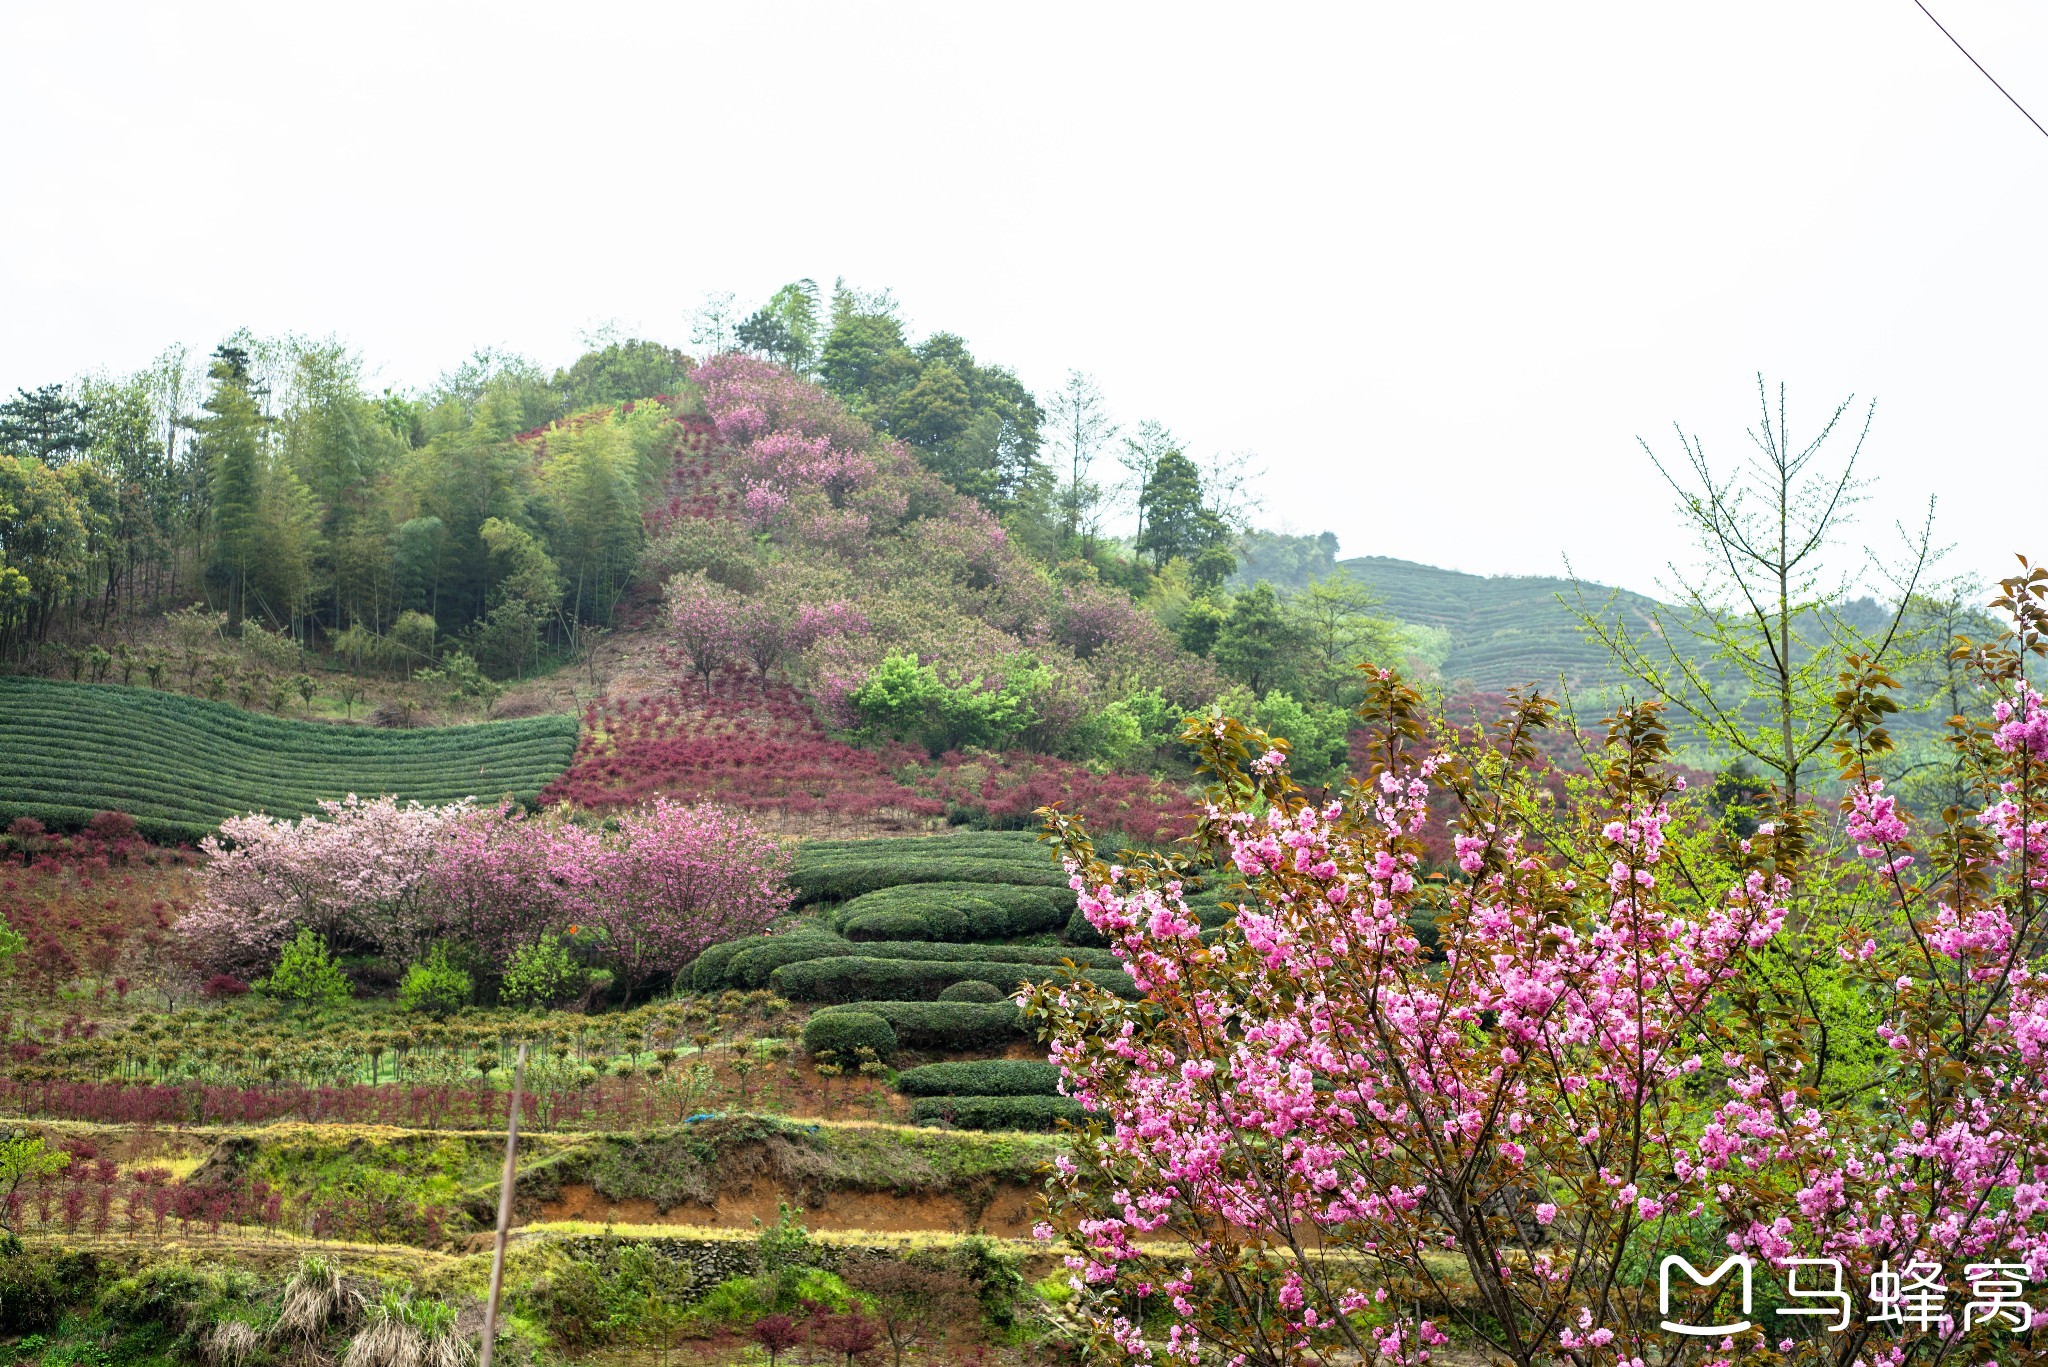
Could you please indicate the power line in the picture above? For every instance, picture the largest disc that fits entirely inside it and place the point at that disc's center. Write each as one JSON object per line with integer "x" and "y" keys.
{"x": 1980, "y": 66}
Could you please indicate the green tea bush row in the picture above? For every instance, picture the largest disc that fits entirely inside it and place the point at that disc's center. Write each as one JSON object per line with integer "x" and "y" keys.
{"x": 755, "y": 966}
{"x": 954, "y": 911}
{"x": 839, "y": 881}
{"x": 996, "y": 1112}
{"x": 981, "y": 1077}
{"x": 857, "y": 977}
{"x": 707, "y": 972}
{"x": 179, "y": 765}
{"x": 944, "y": 1027}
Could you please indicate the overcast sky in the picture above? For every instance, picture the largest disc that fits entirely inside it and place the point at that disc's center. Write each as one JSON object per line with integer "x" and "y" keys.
{"x": 1438, "y": 265}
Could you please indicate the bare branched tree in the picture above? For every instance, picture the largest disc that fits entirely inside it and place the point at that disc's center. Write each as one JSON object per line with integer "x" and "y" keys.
{"x": 1755, "y": 636}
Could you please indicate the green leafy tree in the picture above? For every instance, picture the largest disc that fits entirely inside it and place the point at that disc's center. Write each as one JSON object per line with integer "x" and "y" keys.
{"x": 905, "y": 699}
{"x": 525, "y": 598}
{"x": 419, "y": 552}
{"x": 787, "y": 328}
{"x": 621, "y": 370}
{"x": 43, "y": 547}
{"x": 543, "y": 974}
{"x": 410, "y": 642}
{"x": 865, "y": 355}
{"x": 1337, "y": 623}
{"x": 435, "y": 986}
{"x": 306, "y": 974}
{"x": 24, "y": 1158}
{"x": 1175, "y": 526}
{"x": 1256, "y": 643}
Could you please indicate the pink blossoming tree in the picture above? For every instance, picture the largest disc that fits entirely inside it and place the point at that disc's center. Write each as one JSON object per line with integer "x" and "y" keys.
{"x": 355, "y": 874}
{"x": 1331, "y": 1129}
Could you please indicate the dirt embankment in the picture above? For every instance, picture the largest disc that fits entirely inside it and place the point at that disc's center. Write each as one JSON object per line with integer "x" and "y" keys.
{"x": 1009, "y": 1215}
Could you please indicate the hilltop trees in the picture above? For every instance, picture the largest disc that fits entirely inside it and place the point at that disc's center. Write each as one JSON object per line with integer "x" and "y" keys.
{"x": 45, "y": 424}
{"x": 277, "y": 485}
{"x": 974, "y": 425}
{"x": 1078, "y": 427}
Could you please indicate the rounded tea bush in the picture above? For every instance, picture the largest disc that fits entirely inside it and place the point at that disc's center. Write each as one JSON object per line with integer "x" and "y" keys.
{"x": 973, "y": 991}
{"x": 842, "y": 1032}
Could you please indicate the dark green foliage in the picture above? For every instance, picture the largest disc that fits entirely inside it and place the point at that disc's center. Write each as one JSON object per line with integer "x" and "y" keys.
{"x": 982, "y": 1077}
{"x": 841, "y": 1033}
{"x": 1256, "y": 640}
{"x": 180, "y": 765}
{"x": 887, "y": 923}
{"x": 996, "y": 1112}
{"x": 945, "y": 1027}
{"x": 37, "y": 1285}
{"x": 709, "y": 971}
{"x": 178, "y": 1302}
{"x": 954, "y": 911}
{"x": 858, "y": 977}
{"x": 43, "y": 423}
{"x": 633, "y": 369}
{"x": 972, "y": 992}
{"x": 838, "y": 870}
{"x": 754, "y": 965}
{"x": 995, "y": 1277}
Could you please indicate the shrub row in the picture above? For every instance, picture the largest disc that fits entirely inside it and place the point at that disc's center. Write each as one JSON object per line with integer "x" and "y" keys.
{"x": 838, "y": 881}
{"x": 954, "y": 911}
{"x": 996, "y": 1112}
{"x": 982, "y": 1077}
{"x": 1016, "y": 842}
{"x": 836, "y": 870}
{"x": 943, "y": 1027}
{"x": 856, "y": 977}
{"x": 755, "y": 966}
{"x": 707, "y": 972}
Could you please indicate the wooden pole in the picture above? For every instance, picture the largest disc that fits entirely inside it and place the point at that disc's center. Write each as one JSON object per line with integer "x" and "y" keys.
{"x": 504, "y": 1214}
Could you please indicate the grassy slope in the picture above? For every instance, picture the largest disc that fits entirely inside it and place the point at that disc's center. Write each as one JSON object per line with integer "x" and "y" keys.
{"x": 179, "y": 765}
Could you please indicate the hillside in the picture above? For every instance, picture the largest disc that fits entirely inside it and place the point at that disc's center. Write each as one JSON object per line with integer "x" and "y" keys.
{"x": 179, "y": 765}
{"x": 1505, "y": 630}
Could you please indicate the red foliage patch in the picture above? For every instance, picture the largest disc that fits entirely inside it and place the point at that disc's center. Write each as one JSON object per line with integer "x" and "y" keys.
{"x": 762, "y": 750}
{"x": 755, "y": 748}
{"x": 1003, "y": 791}
{"x": 82, "y": 902}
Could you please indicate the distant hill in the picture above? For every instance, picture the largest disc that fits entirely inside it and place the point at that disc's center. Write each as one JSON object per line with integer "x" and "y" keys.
{"x": 1507, "y": 629}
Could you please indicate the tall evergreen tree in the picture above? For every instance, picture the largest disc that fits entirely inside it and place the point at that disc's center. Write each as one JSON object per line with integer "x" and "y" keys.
{"x": 232, "y": 438}
{"x": 45, "y": 424}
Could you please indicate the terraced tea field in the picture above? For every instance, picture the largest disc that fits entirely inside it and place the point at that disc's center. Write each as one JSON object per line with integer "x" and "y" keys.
{"x": 180, "y": 765}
